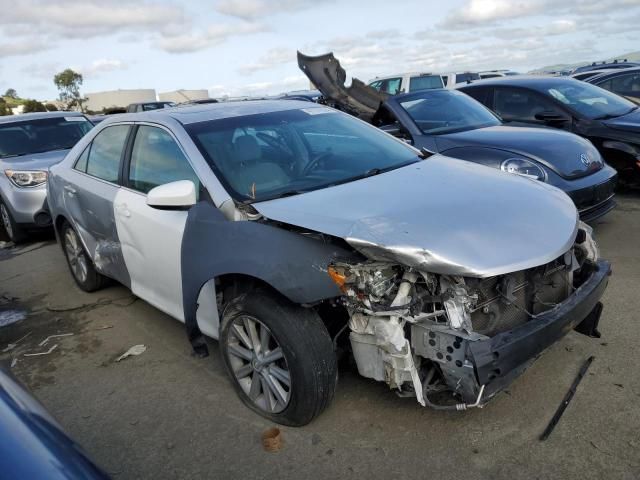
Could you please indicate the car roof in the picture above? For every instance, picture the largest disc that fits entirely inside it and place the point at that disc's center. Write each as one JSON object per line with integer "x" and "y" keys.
{"x": 24, "y": 117}
{"x": 187, "y": 114}
{"x": 613, "y": 73}
{"x": 535, "y": 82}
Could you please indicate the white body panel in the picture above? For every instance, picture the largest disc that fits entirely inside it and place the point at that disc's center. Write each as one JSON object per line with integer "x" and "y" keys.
{"x": 151, "y": 242}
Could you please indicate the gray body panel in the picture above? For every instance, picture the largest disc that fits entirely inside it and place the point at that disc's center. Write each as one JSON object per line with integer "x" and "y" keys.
{"x": 441, "y": 215}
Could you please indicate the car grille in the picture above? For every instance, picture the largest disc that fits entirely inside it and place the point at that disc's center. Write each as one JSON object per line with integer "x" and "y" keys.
{"x": 589, "y": 197}
{"x": 533, "y": 291}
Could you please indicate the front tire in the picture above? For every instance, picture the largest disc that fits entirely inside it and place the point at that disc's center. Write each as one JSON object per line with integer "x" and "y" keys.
{"x": 279, "y": 357}
{"x": 80, "y": 264}
{"x": 15, "y": 233}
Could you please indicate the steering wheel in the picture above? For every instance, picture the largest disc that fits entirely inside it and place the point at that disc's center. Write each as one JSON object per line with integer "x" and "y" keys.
{"x": 313, "y": 164}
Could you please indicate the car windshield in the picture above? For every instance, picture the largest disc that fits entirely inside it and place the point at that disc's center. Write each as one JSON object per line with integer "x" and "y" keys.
{"x": 265, "y": 156}
{"x": 592, "y": 102}
{"x": 438, "y": 112}
{"x": 43, "y": 135}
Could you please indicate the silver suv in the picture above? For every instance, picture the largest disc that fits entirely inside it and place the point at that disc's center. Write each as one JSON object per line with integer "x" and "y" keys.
{"x": 29, "y": 145}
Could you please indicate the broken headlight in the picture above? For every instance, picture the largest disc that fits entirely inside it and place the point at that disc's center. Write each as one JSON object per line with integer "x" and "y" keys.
{"x": 26, "y": 178}
{"x": 373, "y": 281}
{"x": 526, "y": 168}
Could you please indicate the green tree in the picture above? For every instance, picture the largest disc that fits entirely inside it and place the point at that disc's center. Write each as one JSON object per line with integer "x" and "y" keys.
{"x": 4, "y": 108}
{"x": 33, "y": 106}
{"x": 51, "y": 107}
{"x": 11, "y": 93}
{"x": 68, "y": 83}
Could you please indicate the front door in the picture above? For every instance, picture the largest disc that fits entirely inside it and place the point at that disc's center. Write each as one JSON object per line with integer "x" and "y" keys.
{"x": 151, "y": 239}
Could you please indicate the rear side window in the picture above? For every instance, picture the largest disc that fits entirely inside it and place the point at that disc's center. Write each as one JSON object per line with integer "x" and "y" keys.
{"x": 425, "y": 82}
{"x": 156, "y": 159}
{"x": 106, "y": 149}
{"x": 81, "y": 163}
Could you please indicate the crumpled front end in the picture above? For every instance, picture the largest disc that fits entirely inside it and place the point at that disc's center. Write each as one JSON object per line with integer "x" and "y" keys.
{"x": 455, "y": 341}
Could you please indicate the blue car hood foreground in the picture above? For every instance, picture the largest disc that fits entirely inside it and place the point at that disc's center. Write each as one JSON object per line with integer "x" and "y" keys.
{"x": 560, "y": 151}
{"x": 629, "y": 122}
{"x": 34, "y": 161}
{"x": 440, "y": 215}
{"x": 32, "y": 444}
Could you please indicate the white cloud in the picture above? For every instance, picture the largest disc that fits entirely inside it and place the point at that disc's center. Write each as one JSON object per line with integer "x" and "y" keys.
{"x": 273, "y": 57}
{"x": 255, "y": 9}
{"x": 258, "y": 89}
{"x": 101, "y": 65}
{"x": 475, "y": 12}
{"x": 214, "y": 35}
{"x": 22, "y": 47}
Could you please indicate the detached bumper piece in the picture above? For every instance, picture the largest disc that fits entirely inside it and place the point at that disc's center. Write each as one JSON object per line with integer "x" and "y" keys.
{"x": 498, "y": 360}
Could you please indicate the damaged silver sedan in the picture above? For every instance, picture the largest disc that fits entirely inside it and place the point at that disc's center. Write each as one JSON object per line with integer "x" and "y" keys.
{"x": 291, "y": 232}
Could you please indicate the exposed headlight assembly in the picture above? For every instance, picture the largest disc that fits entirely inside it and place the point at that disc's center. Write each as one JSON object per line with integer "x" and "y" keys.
{"x": 526, "y": 168}
{"x": 26, "y": 178}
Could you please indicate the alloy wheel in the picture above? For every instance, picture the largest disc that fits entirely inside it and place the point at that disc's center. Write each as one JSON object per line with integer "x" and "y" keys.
{"x": 6, "y": 221}
{"x": 75, "y": 255}
{"x": 258, "y": 364}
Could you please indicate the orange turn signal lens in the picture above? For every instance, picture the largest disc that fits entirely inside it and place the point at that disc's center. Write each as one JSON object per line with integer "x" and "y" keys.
{"x": 337, "y": 277}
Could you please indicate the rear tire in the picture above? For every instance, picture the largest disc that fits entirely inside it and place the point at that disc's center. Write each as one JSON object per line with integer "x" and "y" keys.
{"x": 260, "y": 326}
{"x": 79, "y": 262}
{"x": 15, "y": 233}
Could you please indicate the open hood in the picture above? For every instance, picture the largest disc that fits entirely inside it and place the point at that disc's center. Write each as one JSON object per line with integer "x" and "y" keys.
{"x": 440, "y": 215}
{"x": 325, "y": 72}
{"x": 569, "y": 155}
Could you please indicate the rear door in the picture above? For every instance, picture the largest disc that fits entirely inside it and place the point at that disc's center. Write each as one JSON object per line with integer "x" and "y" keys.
{"x": 152, "y": 238}
{"x": 89, "y": 191}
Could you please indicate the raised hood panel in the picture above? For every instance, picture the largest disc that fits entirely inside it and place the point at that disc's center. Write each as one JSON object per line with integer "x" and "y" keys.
{"x": 328, "y": 76}
{"x": 440, "y": 215}
{"x": 569, "y": 155}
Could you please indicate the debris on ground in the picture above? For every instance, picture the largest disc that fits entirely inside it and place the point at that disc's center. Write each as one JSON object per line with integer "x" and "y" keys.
{"x": 42, "y": 353}
{"x": 44, "y": 342}
{"x": 14, "y": 362}
{"x": 272, "y": 440}
{"x": 12, "y": 345}
{"x": 8, "y": 317}
{"x": 135, "y": 350}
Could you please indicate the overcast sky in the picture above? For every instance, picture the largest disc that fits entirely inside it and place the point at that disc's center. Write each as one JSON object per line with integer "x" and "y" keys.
{"x": 249, "y": 46}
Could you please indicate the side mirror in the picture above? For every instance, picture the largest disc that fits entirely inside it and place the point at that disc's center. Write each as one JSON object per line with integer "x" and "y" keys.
{"x": 178, "y": 195}
{"x": 550, "y": 117}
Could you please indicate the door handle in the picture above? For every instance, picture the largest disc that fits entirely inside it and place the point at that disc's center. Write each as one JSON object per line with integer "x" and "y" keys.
{"x": 70, "y": 189}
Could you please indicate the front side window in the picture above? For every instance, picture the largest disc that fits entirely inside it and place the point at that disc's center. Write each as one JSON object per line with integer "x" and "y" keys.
{"x": 438, "y": 112}
{"x": 270, "y": 155}
{"x": 43, "y": 135}
{"x": 626, "y": 83}
{"x": 106, "y": 150}
{"x": 589, "y": 100}
{"x": 514, "y": 104}
{"x": 466, "y": 77}
{"x": 157, "y": 159}
{"x": 425, "y": 82}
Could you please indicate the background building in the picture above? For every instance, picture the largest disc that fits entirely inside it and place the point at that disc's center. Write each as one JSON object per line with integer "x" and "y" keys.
{"x": 98, "y": 101}
{"x": 179, "y": 96}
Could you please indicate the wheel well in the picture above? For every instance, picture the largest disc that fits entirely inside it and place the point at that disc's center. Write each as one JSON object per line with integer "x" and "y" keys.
{"x": 60, "y": 219}
{"x": 333, "y": 315}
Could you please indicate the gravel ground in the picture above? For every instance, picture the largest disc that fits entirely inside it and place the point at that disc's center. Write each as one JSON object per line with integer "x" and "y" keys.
{"x": 165, "y": 414}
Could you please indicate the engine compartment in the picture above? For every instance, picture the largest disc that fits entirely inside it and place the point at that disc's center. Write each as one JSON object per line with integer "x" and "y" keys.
{"x": 413, "y": 329}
